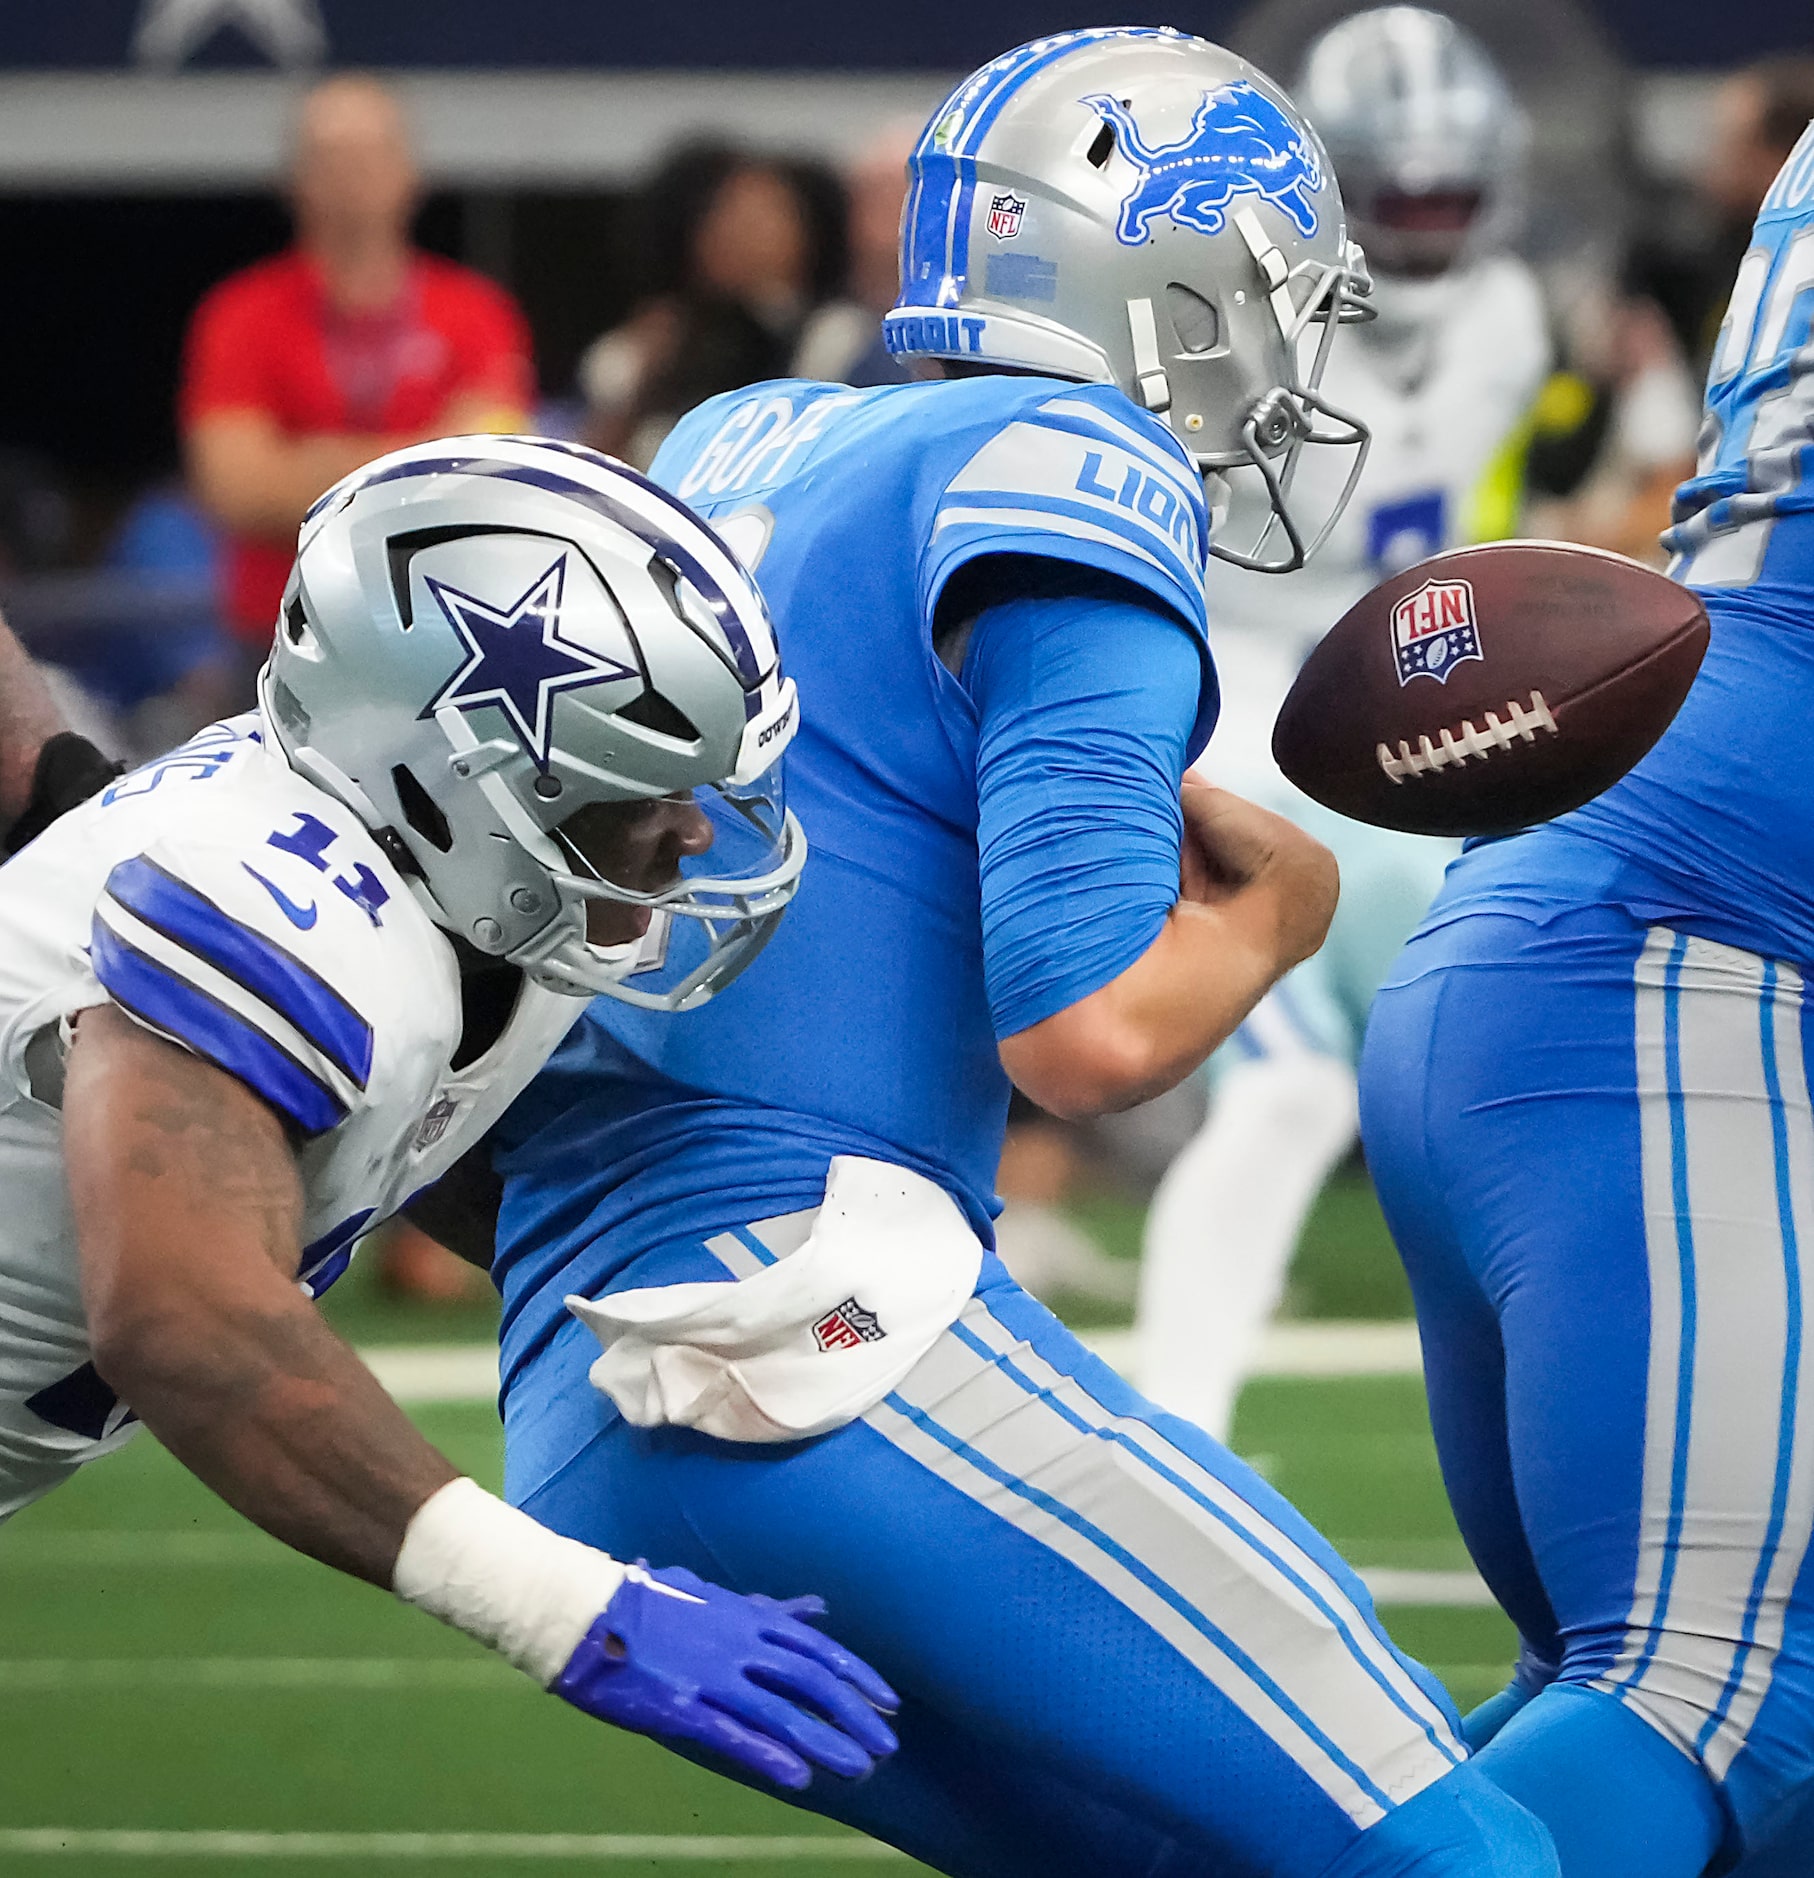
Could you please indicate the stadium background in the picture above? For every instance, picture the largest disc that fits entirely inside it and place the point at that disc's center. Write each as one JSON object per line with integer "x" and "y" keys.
{"x": 173, "y": 1687}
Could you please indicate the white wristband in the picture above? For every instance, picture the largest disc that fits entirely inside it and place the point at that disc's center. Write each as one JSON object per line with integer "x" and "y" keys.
{"x": 493, "y": 1572}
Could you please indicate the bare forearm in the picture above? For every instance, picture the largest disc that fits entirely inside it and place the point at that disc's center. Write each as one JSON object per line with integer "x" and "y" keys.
{"x": 1256, "y": 896}
{"x": 188, "y": 1210}
{"x": 1193, "y": 989}
{"x": 255, "y": 480}
{"x": 266, "y": 1405}
{"x": 1149, "y": 1028}
{"x": 266, "y": 489}
{"x": 28, "y": 719}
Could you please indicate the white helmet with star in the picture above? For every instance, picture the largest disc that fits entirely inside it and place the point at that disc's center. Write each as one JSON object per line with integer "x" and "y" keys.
{"x": 483, "y": 637}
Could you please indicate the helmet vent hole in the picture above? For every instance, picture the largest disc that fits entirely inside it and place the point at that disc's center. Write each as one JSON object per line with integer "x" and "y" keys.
{"x": 666, "y": 579}
{"x": 420, "y": 810}
{"x": 1099, "y": 152}
{"x": 286, "y": 707}
{"x": 295, "y": 621}
{"x": 654, "y": 712}
{"x": 401, "y": 549}
{"x": 1194, "y": 320}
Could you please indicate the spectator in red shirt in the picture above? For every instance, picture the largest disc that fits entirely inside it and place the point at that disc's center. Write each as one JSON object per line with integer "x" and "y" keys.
{"x": 352, "y": 343}
{"x": 304, "y": 366}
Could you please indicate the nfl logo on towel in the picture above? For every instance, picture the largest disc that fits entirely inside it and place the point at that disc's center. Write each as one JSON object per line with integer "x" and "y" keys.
{"x": 1005, "y": 212}
{"x": 1434, "y": 630}
{"x": 847, "y": 1326}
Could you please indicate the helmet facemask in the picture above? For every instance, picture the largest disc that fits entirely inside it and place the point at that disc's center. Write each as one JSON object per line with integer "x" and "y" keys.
{"x": 705, "y": 923}
{"x": 484, "y": 642}
{"x": 1250, "y": 457}
{"x": 1141, "y": 208}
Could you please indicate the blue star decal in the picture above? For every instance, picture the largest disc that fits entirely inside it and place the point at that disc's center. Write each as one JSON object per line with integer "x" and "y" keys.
{"x": 517, "y": 659}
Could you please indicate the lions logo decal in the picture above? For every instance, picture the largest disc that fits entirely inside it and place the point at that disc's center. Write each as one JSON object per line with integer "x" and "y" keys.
{"x": 1239, "y": 143}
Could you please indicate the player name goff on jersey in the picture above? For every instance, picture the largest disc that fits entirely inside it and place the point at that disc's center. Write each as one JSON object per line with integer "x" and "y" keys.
{"x": 235, "y": 909}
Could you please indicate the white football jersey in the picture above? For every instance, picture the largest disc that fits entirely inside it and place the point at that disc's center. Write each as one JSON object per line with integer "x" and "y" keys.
{"x": 1443, "y": 406}
{"x": 232, "y": 907}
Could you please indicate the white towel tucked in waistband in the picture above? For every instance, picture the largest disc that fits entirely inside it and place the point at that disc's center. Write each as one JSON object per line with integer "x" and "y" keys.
{"x": 809, "y": 1343}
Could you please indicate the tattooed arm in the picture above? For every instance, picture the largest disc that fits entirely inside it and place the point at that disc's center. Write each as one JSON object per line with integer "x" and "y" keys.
{"x": 188, "y": 1211}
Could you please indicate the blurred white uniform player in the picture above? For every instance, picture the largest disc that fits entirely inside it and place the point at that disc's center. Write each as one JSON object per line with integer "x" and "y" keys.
{"x": 1428, "y": 143}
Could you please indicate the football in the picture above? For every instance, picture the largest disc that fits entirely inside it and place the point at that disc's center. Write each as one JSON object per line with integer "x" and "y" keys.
{"x": 1490, "y": 688}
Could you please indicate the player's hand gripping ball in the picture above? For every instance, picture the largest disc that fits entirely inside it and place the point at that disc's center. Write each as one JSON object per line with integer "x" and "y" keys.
{"x": 1487, "y": 689}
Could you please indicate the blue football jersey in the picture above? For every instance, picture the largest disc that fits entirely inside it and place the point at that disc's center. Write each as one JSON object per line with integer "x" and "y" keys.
{"x": 866, "y": 1027}
{"x": 1713, "y": 832}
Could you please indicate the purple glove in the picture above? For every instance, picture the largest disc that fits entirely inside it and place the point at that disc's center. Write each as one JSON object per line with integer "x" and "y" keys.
{"x": 674, "y": 1657}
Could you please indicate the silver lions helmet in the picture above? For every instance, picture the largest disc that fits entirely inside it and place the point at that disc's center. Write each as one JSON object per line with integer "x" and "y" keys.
{"x": 1133, "y": 206}
{"x": 489, "y": 642}
{"x": 1430, "y": 142}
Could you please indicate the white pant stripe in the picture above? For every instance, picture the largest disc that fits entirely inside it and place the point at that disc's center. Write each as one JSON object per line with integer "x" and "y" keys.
{"x": 1247, "y": 1521}
{"x": 1141, "y": 1536}
{"x": 1129, "y": 1590}
{"x": 1719, "y": 1309}
{"x": 1791, "y": 1542}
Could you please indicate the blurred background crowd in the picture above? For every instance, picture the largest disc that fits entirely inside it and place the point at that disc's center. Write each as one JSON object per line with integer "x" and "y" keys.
{"x": 238, "y": 268}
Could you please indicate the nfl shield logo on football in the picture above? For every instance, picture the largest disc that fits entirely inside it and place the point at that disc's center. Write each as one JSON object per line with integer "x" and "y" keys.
{"x": 1005, "y": 212}
{"x": 1434, "y": 630}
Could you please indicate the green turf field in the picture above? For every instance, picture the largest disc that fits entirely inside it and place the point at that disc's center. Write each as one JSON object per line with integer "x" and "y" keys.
{"x": 166, "y": 1670}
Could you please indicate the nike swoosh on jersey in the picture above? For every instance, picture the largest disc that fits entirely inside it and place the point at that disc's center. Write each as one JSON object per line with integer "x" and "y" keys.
{"x": 299, "y": 916}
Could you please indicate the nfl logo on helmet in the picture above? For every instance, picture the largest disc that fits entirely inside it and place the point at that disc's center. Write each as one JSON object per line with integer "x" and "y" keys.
{"x": 1005, "y": 212}
{"x": 1434, "y": 630}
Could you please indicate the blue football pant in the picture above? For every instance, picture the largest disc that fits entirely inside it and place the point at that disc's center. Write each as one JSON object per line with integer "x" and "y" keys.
{"x": 1594, "y": 1145}
{"x": 1123, "y": 1655}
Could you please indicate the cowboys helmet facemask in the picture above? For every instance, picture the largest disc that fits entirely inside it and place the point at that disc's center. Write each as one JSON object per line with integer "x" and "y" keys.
{"x": 1430, "y": 142}
{"x": 483, "y": 636}
{"x": 1137, "y": 207}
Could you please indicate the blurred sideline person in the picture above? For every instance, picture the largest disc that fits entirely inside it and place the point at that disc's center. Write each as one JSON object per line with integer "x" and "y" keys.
{"x": 1616, "y": 428}
{"x": 841, "y": 343}
{"x": 304, "y": 366}
{"x": 351, "y": 343}
{"x": 257, "y": 993}
{"x": 736, "y": 252}
{"x": 1428, "y": 144}
{"x": 1613, "y": 433}
{"x": 1120, "y": 1654}
{"x": 1758, "y": 114}
{"x": 1586, "y": 1098}
{"x": 45, "y": 768}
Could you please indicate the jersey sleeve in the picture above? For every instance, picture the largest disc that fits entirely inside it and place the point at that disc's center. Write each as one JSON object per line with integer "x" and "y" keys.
{"x": 1080, "y": 476}
{"x": 1085, "y": 707}
{"x": 249, "y": 967}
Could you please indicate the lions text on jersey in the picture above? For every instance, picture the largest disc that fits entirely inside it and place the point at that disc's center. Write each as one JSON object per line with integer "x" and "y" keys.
{"x": 1586, "y": 1100}
{"x": 235, "y": 909}
{"x": 1122, "y": 1651}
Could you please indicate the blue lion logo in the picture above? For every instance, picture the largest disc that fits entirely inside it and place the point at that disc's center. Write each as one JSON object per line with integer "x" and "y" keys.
{"x": 1239, "y": 143}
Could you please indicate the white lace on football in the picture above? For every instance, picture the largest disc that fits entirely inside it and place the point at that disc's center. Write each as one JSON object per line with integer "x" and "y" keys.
{"x": 1453, "y": 748}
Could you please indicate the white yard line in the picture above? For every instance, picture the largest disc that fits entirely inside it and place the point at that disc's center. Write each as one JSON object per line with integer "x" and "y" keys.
{"x": 41, "y": 1673}
{"x": 82, "y": 1842}
{"x": 454, "y": 1372}
{"x": 1460, "y": 1591}
{"x": 468, "y": 1372}
{"x": 62, "y": 1551}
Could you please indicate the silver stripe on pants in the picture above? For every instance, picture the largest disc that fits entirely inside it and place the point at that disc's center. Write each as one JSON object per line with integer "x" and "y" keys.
{"x": 1728, "y": 1483}
{"x": 1278, "y": 1638}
